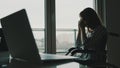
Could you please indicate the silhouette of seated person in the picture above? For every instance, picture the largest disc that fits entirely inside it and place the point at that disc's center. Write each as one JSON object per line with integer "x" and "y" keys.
{"x": 3, "y": 44}
{"x": 91, "y": 38}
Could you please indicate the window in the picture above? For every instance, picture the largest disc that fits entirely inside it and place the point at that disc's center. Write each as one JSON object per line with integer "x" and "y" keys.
{"x": 35, "y": 11}
{"x": 65, "y": 19}
{"x": 67, "y": 16}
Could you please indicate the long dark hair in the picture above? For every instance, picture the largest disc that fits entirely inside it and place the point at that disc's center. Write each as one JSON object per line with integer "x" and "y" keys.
{"x": 91, "y": 18}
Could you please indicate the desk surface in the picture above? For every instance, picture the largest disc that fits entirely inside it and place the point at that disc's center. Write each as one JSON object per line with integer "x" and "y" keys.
{"x": 21, "y": 64}
{"x": 14, "y": 63}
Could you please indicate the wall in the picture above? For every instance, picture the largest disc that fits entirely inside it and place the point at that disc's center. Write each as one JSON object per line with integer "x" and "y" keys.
{"x": 113, "y": 25}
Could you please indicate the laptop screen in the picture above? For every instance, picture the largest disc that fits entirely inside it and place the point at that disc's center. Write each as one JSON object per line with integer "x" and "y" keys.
{"x": 19, "y": 36}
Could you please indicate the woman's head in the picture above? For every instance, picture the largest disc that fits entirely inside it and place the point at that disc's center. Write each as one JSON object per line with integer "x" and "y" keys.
{"x": 90, "y": 17}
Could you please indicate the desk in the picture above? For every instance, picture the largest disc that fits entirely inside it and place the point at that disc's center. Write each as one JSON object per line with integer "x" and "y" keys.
{"x": 21, "y": 64}
{"x": 25, "y": 64}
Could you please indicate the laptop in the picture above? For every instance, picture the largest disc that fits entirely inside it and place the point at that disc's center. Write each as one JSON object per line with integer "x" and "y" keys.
{"x": 20, "y": 40}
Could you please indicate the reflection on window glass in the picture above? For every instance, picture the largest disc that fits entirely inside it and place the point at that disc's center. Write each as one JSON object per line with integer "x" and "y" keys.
{"x": 67, "y": 16}
{"x": 35, "y": 11}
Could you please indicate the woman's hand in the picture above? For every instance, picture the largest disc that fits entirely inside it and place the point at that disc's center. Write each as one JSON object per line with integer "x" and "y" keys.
{"x": 81, "y": 24}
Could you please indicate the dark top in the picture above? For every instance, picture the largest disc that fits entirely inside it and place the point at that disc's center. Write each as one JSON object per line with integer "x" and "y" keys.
{"x": 98, "y": 39}
{"x": 97, "y": 42}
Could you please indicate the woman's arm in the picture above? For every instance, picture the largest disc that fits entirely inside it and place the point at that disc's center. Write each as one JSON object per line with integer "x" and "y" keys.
{"x": 81, "y": 34}
{"x": 78, "y": 41}
{"x": 82, "y": 31}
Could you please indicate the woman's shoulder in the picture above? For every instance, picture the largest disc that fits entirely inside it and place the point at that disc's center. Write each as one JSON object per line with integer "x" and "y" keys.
{"x": 101, "y": 27}
{"x": 101, "y": 30}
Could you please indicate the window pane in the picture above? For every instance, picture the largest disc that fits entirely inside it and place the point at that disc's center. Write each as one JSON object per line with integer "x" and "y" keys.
{"x": 39, "y": 37}
{"x": 67, "y": 16}
{"x": 65, "y": 39}
{"x": 35, "y": 11}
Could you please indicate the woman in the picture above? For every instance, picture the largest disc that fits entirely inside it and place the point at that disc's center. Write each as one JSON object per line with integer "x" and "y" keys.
{"x": 92, "y": 36}
{"x": 95, "y": 35}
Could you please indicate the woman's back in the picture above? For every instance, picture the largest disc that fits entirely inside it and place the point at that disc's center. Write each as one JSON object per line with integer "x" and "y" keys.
{"x": 98, "y": 39}
{"x": 97, "y": 43}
